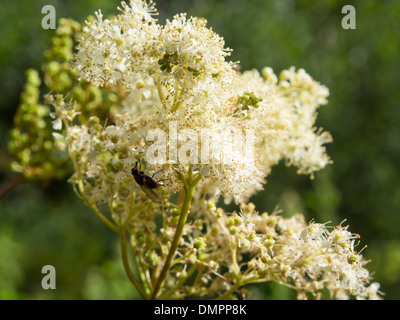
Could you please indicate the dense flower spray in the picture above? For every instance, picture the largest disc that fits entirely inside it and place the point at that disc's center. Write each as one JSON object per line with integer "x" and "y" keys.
{"x": 203, "y": 130}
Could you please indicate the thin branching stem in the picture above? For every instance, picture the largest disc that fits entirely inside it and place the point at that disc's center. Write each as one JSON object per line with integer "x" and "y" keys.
{"x": 128, "y": 271}
{"x": 190, "y": 184}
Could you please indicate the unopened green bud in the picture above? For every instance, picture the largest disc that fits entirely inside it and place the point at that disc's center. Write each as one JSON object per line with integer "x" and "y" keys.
{"x": 210, "y": 205}
{"x": 266, "y": 258}
{"x": 250, "y": 207}
{"x": 152, "y": 258}
{"x": 199, "y": 243}
{"x": 234, "y": 230}
{"x": 269, "y": 243}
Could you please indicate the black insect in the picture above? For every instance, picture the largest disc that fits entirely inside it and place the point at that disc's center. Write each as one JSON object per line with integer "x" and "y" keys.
{"x": 147, "y": 183}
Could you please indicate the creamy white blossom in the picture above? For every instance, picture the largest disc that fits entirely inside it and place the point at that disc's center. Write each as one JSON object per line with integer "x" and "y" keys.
{"x": 197, "y": 126}
{"x": 178, "y": 73}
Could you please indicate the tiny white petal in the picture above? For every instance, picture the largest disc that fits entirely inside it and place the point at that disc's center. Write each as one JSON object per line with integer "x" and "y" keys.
{"x": 57, "y": 124}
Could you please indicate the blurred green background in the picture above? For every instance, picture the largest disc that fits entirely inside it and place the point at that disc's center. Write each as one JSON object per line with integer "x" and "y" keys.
{"x": 47, "y": 224}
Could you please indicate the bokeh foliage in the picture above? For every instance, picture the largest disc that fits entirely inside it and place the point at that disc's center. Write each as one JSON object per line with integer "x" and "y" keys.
{"x": 44, "y": 223}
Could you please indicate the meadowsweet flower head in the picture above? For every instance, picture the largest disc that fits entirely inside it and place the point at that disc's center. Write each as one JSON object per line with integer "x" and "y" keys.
{"x": 183, "y": 86}
{"x": 307, "y": 258}
{"x": 189, "y": 122}
{"x": 192, "y": 51}
{"x": 122, "y": 49}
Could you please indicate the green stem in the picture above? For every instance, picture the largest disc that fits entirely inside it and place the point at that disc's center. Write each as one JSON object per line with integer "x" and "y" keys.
{"x": 235, "y": 267}
{"x": 144, "y": 276}
{"x": 92, "y": 206}
{"x": 180, "y": 283}
{"x": 111, "y": 225}
{"x": 188, "y": 192}
{"x": 182, "y": 257}
{"x": 81, "y": 187}
{"x": 124, "y": 253}
{"x": 177, "y": 101}
{"x": 196, "y": 280}
{"x": 160, "y": 93}
{"x": 236, "y": 286}
{"x": 230, "y": 291}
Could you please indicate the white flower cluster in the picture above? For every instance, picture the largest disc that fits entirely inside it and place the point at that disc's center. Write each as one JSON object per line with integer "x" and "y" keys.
{"x": 288, "y": 117}
{"x": 121, "y": 49}
{"x": 178, "y": 73}
{"x": 188, "y": 115}
{"x": 307, "y": 258}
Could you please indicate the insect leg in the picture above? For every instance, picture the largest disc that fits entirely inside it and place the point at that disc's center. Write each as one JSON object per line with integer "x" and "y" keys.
{"x": 157, "y": 172}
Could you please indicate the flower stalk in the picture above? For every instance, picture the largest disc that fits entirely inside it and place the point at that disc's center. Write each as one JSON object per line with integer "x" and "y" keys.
{"x": 127, "y": 268}
{"x": 190, "y": 183}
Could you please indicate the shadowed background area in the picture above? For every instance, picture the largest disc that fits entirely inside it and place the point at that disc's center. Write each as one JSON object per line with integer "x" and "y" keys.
{"x": 44, "y": 224}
